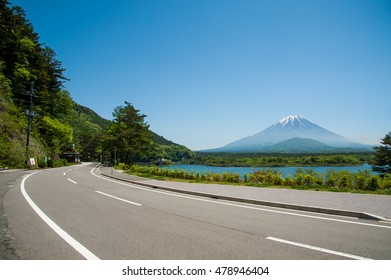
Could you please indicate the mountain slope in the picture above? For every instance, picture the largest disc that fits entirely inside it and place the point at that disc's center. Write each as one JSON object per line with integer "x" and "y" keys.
{"x": 299, "y": 145}
{"x": 291, "y": 127}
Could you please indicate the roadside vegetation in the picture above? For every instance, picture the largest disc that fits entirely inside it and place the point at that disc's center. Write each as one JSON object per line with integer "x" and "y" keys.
{"x": 304, "y": 179}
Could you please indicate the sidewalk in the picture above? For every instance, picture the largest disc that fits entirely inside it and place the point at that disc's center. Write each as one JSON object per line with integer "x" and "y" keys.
{"x": 367, "y": 206}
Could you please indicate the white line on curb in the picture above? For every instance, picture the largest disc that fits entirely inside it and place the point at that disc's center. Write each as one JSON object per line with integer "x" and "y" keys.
{"x": 317, "y": 248}
{"x": 63, "y": 234}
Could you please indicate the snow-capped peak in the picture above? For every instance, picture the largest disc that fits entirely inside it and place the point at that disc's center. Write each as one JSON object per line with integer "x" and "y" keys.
{"x": 291, "y": 120}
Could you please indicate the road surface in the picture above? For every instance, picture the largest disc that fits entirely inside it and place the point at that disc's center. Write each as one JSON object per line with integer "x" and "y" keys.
{"x": 74, "y": 213}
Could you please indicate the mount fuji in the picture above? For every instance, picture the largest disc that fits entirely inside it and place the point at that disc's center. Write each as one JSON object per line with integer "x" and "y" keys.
{"x": 293, "y": 133}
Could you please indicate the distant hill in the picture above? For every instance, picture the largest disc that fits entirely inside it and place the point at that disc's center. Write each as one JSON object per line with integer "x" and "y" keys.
{"x": 293, "y": 134}
{"x": 299, "y": 145}
{"x": 94, "y": 117}
{"x": 104, "y": 123}
{"x": 162, "y": 141}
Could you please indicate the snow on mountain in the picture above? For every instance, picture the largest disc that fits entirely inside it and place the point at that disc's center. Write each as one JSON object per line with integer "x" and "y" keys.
{"x": 293, "y": 126}
{"x": 291, "y": 120}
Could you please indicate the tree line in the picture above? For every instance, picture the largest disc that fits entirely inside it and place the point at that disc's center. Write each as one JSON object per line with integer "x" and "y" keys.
{"x": 279, "y": 160}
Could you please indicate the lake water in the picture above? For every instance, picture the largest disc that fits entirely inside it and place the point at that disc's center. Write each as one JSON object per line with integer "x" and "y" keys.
{"x": 283, "y": 170}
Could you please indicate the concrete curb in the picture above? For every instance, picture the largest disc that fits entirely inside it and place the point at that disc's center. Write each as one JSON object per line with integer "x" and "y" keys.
{"x": 338, "y": 212}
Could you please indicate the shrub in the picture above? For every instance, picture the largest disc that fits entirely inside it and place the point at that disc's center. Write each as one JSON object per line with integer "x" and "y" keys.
{"x": 331, "y": 178}
{"x": 122, "y": 166}
{"x": 42, "y": 163}
{"x": 289, "y": 181}
{"x": 373, "y": 183}
{"x": 360, "y": 181}
{"x": 60, "y": 163}
{"x": 386, "y": 182}
{"x": 344, "y": 180}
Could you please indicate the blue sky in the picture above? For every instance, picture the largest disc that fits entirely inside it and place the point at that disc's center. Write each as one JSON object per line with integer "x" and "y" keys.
{"x": 208, "y": 72}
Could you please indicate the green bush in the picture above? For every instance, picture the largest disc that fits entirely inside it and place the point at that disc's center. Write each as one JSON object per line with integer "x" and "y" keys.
{"x": 373, "y": 183}
{"x": 42, "y": 163}
{"x": 307, "y": 178}
{"x": 60, "y": 163}
{"x": 386, "y": 182}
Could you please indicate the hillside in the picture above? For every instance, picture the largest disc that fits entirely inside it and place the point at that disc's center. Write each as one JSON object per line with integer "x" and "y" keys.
{"x": 92, "y": 115}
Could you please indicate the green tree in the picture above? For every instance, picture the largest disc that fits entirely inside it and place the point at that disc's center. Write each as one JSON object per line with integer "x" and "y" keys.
{"x": 128, "y": 133}
{"x": 56, "y": 134}
{"x": 382, "y": 162}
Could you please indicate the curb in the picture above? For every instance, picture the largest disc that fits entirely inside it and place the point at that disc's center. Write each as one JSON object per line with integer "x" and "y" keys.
{"x": 338, "y": 212}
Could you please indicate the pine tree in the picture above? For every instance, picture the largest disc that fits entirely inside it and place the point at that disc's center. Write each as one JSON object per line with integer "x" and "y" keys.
{"x": 382, "y": 163}
{"x": 128, "y": 133}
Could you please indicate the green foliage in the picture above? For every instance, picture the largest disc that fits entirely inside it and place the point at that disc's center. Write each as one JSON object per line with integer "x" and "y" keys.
{"x": 86, "y": 134}
{"x": 382, "y": 161}
{"x": 128, "y": 133}
{"x": 23, "y": 60}
{"x": 11, "y": 123}
{"x": 55, "y": 134}
{"x": 362, "y": 181}
{"x": 59, "y": 163}
{"x": 276, "y": 160}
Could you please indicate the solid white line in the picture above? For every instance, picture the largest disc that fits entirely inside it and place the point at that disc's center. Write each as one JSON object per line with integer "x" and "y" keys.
{"x": 237, "y": 205}
{"x": 318, "y": 248}
{"x": 121, "y": 199}
{"x": 63, "y": 234}
{"x": 70, "y": 180}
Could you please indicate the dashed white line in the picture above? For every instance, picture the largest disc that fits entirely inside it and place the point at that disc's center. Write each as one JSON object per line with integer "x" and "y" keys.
{"x": 317, "y": 248}
{"x": 70, "y": 180}
{"x": 63, "y": 234}
{"x": 65, "y": 174}
{"x": 118, "y": 198}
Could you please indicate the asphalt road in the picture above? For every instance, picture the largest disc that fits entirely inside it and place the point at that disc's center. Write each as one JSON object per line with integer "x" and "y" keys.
{"x": 73, "y": 213}
{"x": 8, "y": 180}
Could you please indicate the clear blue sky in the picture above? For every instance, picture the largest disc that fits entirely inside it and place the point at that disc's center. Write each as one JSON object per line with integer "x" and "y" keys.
{"x": 208, "y": 72}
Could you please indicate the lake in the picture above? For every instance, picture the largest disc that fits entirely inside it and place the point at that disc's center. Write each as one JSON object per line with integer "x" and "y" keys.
{"x": 283, "y": 170}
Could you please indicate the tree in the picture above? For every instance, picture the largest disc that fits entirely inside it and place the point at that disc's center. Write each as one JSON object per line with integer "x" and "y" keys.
{"x": 128, "y": 133}
{"x": 55, "y": 134}
{"x": 382, "y": 163}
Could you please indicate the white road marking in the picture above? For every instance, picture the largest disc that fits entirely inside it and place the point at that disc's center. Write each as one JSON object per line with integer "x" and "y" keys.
{"x": 63, "y": 234}
{"x": 121, "y": 199}
{"x": 65, "y": 174}
{"x": 317, "y": 248}
{"x": 70, "y": 180}
{"x": 241, "y": 206}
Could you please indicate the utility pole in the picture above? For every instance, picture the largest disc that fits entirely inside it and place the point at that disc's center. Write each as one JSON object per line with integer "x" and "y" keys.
{"x": 30, "y": 114}
{"x": 115, "y": 155}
